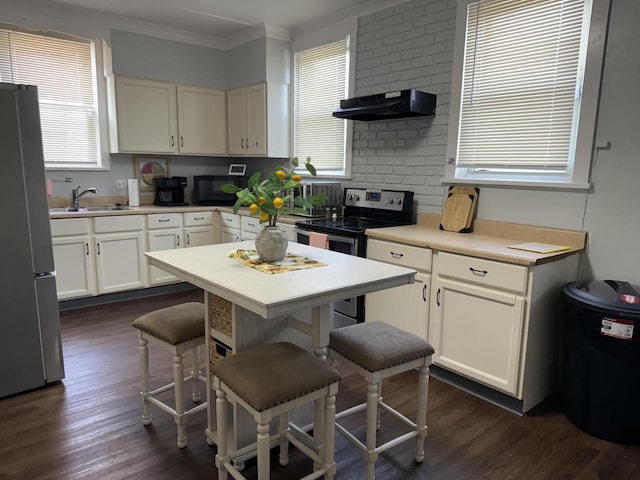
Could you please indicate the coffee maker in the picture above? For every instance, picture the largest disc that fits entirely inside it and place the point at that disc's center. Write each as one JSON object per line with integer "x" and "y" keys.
{"x": 170, "y": 191}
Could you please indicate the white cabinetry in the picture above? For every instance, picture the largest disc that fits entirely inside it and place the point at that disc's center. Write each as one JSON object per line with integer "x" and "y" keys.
{"x": 258, "y": 120}
{"x": 499, "y": 323}
{"x": 250, "y": 227}
{"x": 120, "y": 246}
{"x": 230, "y": 227}
{"x": 406, "y": 307}
{"x": 73, "y": 257}
{"x": 151, "y": 116}
{"x": 164, "y": 233}
{"x": 199, "y": 229}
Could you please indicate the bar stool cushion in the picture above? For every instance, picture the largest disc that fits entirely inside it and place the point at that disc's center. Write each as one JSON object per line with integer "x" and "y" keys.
{"x": 175, "y": 324}
{"x": 250, "y": 374}
{"x": 375, "y": 346}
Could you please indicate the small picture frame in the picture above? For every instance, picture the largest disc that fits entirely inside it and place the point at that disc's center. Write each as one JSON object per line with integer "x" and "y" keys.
{"x": 237, "y": 169}
{"x": 148, "y": 167}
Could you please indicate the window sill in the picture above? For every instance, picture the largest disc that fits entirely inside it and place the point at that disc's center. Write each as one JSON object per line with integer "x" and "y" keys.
{"x": 528, "y": 185}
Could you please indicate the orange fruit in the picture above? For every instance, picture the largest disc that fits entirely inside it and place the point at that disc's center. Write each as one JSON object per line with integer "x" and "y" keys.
{"x": 278, "y": 202}
{"x": 264, "y": 216}
{"x": 296, "y": 178}
{"x": 281, "y": 175}
{"x": 261, "y": 200}
{"x": 253, "y": 208}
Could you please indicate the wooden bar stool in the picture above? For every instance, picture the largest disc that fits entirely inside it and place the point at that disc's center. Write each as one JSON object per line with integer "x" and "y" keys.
{"x": 376, "y": 351}
{"x": 268, "y": 381}
{"x": 178, "y": 329}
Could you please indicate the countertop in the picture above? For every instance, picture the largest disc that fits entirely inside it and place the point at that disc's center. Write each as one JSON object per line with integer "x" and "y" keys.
{"x": 488, "y": 240}
{"x": 269, "y": 295}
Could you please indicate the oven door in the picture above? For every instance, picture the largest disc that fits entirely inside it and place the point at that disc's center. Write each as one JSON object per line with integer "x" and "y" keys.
{"x": 348, "y": 246}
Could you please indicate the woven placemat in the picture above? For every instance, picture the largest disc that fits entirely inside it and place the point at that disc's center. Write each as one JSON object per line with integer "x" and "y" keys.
{"x": 289, "y": 263}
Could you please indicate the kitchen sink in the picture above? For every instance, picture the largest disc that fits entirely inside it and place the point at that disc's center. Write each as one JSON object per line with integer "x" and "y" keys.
{"x": 105, "y": 208}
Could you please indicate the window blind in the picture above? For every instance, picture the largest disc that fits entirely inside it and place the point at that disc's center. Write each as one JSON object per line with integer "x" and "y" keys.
{"x": 63, "y": 72}
{"x": 522, "y": 77}
{"x": 320, "y": 82}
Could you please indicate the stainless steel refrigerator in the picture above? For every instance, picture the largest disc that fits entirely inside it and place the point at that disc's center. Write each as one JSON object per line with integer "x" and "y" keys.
{"x": 30, "y": 342}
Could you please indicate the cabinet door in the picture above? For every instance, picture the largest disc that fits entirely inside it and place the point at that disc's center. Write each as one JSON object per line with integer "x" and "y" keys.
{"x": 196, "y": 236}
{"x": 147, "y": 117}
{"x": 248, "y": 236}
{"x": 235, "y": 122}
{"x": 256, "y": 119}
{"x": 168, "y": 239}
{"x": 477, "y": 332}
{"x": 406, "y": 307}
{"x": 120, "y": 261}
{"x": 229, "y": 235}
{"x": 73, "y": 259}
{"x": 202, "y": 120}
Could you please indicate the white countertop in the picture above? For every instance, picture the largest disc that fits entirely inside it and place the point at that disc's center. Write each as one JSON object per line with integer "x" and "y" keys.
{"x": 271, "y": 295}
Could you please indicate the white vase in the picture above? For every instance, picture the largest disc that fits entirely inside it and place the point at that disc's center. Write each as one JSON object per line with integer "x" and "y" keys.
{"x": 271, "y": 244}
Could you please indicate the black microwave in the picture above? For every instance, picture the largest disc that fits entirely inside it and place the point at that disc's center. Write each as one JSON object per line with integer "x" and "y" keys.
{"x": 206, "y": 189}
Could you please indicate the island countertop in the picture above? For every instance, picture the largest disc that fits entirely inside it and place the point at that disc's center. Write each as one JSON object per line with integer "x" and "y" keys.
{"x": 269, "y": 295}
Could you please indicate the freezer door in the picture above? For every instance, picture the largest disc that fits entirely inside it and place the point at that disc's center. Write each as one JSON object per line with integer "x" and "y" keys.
{"x": 50, "y": 328}
{"x": 35, "y": 191}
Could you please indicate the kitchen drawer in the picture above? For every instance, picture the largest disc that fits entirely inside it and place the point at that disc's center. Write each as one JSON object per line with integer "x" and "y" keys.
{"x": 70, "y": 226}
{"x": 231, "y": 220}
{"x": 194, "y": 219}
{"x": 484, "y": 272}
{"x": 399, "y": 254}
{"x": 164, "y": 220}
{"x": 122, "y": 223}
{"x": 250, "y": 224}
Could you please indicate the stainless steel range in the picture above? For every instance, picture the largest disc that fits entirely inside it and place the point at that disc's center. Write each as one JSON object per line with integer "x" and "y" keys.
{"x": 363, "y": 209}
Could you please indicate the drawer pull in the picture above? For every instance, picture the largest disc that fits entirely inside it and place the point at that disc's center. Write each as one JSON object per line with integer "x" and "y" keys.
{"x": 162, "y": 220}
{"x": 87, "y": 245}
{"x": 438, "y": 297}
{"x": 478, "y": 272}
{"x": 424, "y": 293}
{"x": 198, "y": 218}
{"x": 396, "y": 255}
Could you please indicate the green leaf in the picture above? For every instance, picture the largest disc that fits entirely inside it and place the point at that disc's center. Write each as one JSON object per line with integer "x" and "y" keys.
{"x": 291, "y": 184}
{"x": 310, "y": 168}
{"x": 253, "y": 180}
{"x": 318, "y": 199}
{"x": 294, "y": 162}
{"x": 237, "y": 206}
{"x": 229, "y": 188}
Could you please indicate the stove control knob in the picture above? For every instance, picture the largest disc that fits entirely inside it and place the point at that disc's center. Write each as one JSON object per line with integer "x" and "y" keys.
{"x": 357, "y": 198}
{"x": 391, "y": 201}
{"x": 350, "y": 197}
{"x": 399, "y": 201}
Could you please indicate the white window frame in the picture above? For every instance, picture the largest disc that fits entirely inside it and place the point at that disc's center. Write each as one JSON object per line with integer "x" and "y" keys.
{"x": 315, "y": 39}
{"x": 577, "y": 176}
{"x": 100, "y": 61}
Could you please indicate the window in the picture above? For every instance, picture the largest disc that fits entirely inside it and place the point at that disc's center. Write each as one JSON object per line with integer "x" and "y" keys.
{"x": 528, "y": 95}
{"x": 64, "y": 70}
{"x": 320, "y": 82}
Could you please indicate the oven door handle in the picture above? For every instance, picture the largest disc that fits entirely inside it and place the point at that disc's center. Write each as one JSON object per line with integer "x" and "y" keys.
{"x": 331, "y": 238}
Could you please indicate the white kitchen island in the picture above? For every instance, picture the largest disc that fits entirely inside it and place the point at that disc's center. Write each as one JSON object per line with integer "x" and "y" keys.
{"x": 246, "y": 307}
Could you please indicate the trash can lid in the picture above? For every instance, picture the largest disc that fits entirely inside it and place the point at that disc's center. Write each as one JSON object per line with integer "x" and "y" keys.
{"x": 605, "y": 296}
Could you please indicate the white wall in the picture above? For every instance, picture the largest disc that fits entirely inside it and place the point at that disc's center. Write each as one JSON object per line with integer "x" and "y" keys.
{"x": 411, "y": 46}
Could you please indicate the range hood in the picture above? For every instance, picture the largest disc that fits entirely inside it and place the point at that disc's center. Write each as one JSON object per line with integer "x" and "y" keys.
{"x": 386, "y": 106}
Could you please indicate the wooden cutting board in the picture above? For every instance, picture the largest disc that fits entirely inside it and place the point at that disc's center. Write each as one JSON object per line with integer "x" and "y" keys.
{"x": 459, "y": 209}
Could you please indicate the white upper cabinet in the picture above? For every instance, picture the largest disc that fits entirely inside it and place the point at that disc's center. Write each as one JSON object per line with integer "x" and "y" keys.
{"x": 202, "y": 125}
{"x": 149, "y": 116}
{"x": 258, "y": 120}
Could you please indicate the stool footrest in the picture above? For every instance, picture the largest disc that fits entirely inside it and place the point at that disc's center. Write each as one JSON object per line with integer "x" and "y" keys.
{"x": 351, "y": 410}
{"x": 397, "y": 414}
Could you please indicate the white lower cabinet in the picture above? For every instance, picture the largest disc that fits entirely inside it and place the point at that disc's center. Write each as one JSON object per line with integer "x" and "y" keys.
{"x": 230, "y": 228}
{"x": 250, "y": 227}
{"x": 405, "y": 307}
{"x": 73, "y": 257}
{"x": 477, "y": 332}
{"x": 120, "y": 246}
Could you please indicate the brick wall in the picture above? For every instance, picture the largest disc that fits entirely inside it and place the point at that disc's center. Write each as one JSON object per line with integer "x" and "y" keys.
{"x": 406, "y": 46}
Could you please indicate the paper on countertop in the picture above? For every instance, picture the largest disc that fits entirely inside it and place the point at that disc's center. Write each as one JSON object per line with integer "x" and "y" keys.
{"x": 539, "y": 247}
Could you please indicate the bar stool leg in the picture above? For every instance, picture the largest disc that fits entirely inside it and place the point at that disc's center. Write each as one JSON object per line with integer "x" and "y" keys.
{"x": 330, "y": 428}
{"x": 421, "y": 419}
{"x": 143, "y": 347}
{"x": 379, "y": 402}
{"x": 284, "y": 441}
{"x": 195, "y": 371}
{"x": 180, "y": 418}
{"x": 370, "y": 455}
{"x": 221, "y": 427}
{"x": 263, "y": 451}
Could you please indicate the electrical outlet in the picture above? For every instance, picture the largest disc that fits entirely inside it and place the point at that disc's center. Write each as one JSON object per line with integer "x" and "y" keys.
{"x": 121, "y": 184}
{"x": 69, "y": 179}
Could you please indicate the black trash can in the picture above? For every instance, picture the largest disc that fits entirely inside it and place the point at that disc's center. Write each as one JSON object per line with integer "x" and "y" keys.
{"x": 601, "y": 373}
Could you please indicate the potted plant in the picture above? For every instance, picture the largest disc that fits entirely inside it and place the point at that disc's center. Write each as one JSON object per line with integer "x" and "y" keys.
{"x": 269, "y": 199}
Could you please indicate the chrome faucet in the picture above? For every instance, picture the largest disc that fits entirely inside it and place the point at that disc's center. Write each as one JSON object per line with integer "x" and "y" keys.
{"x": 75, "y": 196}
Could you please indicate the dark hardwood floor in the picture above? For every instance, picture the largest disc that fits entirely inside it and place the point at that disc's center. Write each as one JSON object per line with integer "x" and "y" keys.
{"x": 89, "y": 426}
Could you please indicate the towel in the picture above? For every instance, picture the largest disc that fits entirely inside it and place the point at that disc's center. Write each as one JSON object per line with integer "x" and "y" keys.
{"x": 320, "y": 240}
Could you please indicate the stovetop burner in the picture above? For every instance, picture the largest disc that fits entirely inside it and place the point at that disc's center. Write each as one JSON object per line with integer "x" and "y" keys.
{"x": 363, "y": 209}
